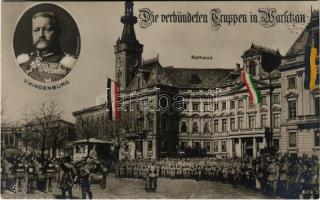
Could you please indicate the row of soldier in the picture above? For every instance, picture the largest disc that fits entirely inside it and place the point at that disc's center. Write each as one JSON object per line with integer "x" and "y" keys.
{"x": 284, "y": 176}
{"x": 61, "y": 173}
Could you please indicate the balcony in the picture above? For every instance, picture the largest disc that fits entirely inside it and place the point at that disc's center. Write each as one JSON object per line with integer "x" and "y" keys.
{"x": 140, "y": 134}
{"x": 247, "y": 131}
{"x": 307, "y": 121}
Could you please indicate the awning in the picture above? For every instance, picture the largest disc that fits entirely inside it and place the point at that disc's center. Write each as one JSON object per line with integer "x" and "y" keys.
{"x": 92, "y": 141}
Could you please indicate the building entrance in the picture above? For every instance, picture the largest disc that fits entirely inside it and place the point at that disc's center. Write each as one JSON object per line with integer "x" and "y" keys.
{"x": 248, "y": 147}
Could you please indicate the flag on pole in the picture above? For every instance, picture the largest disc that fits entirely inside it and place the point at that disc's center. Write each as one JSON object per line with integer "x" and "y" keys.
{"x": 311, "y": 54}
{"x": 113, "y": 100}
{"x": 254, "y": 93}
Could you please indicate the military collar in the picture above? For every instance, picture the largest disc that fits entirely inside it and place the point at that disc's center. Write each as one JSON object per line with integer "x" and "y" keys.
{"x": 47, "y": 55}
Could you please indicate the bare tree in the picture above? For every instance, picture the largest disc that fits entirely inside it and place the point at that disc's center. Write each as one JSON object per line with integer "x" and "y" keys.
{"x": 29, "y": 134}
{"x": 57, "y": 137}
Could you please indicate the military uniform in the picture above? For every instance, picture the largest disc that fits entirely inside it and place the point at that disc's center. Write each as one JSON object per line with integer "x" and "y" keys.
{"x": 20, "y": 175}
{"x": 315, "y": 177}
{"x": 50, "y": 169}
{"x": 153, "y": 173}
{"x": 31, "y": 178}
{"x": 293, "y": 176}
{"x": 273, "y": 175}
{"x": 283, "y": 179}
{"x": 85, "y": 182}
{"x": 46, "y": 68}
{"x": 4, "y": 175}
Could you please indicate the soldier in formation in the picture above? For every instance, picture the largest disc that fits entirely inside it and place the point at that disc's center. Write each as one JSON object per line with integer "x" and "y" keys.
{"x": 26, "y": 173}
{"x": 284, "y": 176}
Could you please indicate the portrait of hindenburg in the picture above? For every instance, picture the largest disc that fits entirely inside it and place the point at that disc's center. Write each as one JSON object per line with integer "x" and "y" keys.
{"x": 46, "y": 61}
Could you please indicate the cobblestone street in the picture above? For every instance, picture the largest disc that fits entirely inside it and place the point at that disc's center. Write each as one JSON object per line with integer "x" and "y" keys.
{"x": 167, "y": 188}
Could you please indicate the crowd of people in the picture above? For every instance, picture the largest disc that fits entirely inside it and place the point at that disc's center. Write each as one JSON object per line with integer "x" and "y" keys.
{"x": 278, "y": 175}
{"x": 29, "y": 173}
{"x": 284, "y": 176}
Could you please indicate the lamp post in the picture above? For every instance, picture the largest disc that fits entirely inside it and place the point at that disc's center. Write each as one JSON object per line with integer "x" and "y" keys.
{"x": 269, "y": 130}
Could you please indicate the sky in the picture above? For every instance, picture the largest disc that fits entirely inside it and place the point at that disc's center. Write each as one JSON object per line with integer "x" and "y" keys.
{"x": 99, "y": 25}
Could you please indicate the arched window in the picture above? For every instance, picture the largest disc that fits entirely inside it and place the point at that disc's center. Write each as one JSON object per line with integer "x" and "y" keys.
{"x": 184, "y": 127}
{"x": 195, "y": 127}
{"x": 252, "y": 68}
{"x": 206, "y": 127}
{"x": 139, "y": 83}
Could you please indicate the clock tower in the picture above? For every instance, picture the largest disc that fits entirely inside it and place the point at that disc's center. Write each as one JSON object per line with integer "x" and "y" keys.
{"x": 128, "y": 50}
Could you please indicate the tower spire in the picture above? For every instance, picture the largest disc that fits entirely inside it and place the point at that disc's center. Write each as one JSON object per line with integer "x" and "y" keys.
{"x": 128, "y": 19}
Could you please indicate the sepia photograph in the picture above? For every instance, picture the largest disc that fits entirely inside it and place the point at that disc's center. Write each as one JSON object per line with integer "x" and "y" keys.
{"x": 160, "y": 100}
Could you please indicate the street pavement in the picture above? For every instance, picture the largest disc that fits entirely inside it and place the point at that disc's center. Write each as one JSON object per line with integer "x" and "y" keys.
{"x": 126, "y": 188}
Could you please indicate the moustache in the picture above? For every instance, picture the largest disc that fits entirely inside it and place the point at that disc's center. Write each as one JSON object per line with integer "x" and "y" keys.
{"x": 42, "y": 40}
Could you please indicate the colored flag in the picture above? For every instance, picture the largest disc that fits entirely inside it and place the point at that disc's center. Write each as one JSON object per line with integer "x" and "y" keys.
{"x": 311, "y": 54}
{"x": 113, "y": 100}
{"x": 254, "y": 93}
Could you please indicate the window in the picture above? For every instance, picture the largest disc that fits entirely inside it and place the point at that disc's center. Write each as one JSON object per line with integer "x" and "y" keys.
{"x": 139, "y": 124}
{"x": 164, "y": 146}
{"x": 264, "y": 100}
{"x": 251, "y": 122}
{"x": 240, "y": 103}
{"x": 185, "y": 106}
{"x": 292, "y": 109}
{"x": 183, "y": 145}
{"x": 149, "y": 145}
{"x": 224, "y": 105}
{"x": 168, "y": 124}
{"x": 252, "y": 68}
{"x": 291, "y": 82}
{"x": 263, "y": 120}
{"x": 223, "y": 146}
{"x": 195, "y": 107}
{"x": 276, "y": 99}
{"x": 206, "y": 107}
{"x": 119, "y": 75}
{"x": 216, "y": 106}
{"x": 6, "y": 140}
{"x": 196, "y": 144}
{"x": 139, "y": 83}
{"x": 195, "y": 127}
{"x": 292, "y": 139}
{"x": 224, "y": 125}
{"x": 317, "y": 138}
{"x": 206, "y": 127}
{"x": 232, "y": 124}
{"x": 276, "y": 120}
{"x": 276, "y": 144}
{"x": 184, "y": 127}
{"x": 240, "y": 122}
{"x": 216, "y": 125}
{"x": 150, "y": 124}
{"x": 316, "y": 106}
{"x": 207, "y": 146}
{"x": 232, "y": 104}
{"x": 215, "y": 147}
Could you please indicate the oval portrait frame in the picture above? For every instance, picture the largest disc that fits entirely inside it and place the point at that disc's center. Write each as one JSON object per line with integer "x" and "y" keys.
{"x": 25, "y": 52}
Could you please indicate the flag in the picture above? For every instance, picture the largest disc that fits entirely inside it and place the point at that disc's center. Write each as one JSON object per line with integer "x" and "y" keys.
{"x": 113, "y": 100}
{"x": 311, "y": 54}
{"x": 254, "y": 93}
